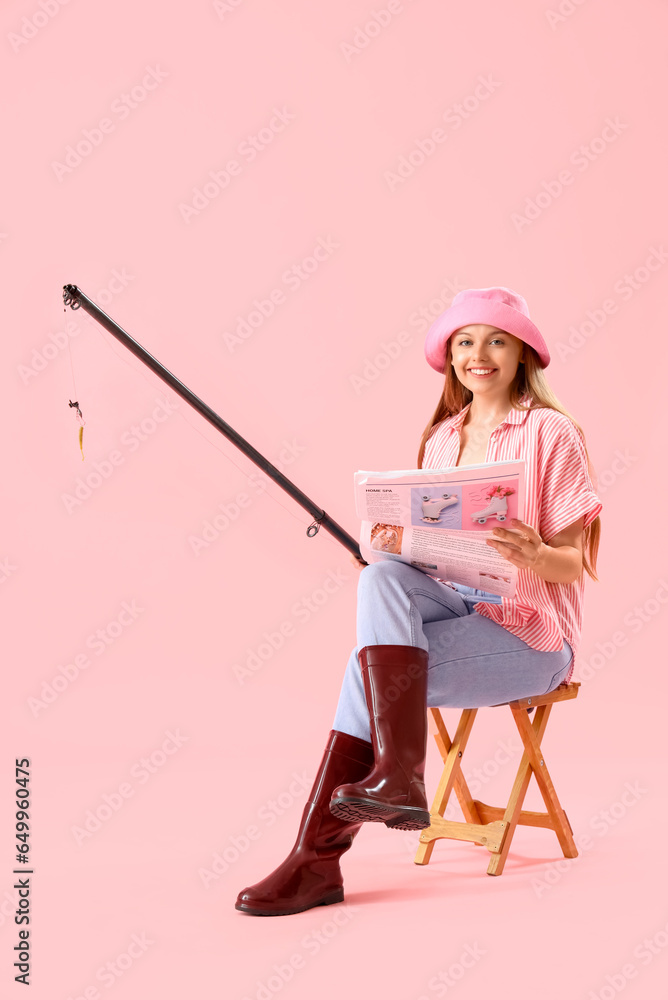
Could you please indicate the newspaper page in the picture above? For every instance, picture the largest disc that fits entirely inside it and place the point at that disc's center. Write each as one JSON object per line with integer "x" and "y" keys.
{"x": 438, "y": 520}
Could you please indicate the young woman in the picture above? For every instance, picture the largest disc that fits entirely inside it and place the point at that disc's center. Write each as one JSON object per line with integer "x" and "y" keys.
{"x": 425, "y": 642}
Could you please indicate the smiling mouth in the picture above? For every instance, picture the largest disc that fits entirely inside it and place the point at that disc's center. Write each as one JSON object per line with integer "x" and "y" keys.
{"x": 481, "y": 372}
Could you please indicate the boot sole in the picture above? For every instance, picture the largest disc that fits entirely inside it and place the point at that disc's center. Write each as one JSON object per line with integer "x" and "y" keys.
{"x": 394, "y": 817}
{"x": 336, "y": 896}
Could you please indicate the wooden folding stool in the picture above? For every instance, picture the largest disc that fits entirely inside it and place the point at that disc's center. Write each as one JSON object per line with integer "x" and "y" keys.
{"x": 492, "y": 826}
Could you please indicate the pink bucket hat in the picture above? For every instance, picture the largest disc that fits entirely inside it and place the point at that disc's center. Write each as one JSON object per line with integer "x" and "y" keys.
{"x": 497, "y": 306}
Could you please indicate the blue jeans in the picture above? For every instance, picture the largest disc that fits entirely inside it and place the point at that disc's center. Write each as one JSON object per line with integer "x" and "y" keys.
{"x": 473, "y": 661}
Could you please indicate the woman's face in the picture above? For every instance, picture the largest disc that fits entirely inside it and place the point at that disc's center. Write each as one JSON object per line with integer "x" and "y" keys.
{"x": 482, "y": 347}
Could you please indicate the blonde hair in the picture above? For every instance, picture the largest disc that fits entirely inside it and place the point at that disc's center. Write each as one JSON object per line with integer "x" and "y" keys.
{"x": 529, "y": 378}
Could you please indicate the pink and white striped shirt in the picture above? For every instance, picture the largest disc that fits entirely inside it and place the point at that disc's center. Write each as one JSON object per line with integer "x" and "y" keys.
{"x": 558, "y": 492}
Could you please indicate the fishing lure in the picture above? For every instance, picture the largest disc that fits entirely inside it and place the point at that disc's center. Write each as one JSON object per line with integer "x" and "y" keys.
{"x": 81, "y": 422}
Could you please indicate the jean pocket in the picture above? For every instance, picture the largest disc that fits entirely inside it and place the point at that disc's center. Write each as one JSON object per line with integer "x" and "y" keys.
{"x": 559, "y": 677}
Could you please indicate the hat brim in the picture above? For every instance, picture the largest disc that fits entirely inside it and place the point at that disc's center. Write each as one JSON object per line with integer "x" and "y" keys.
{"x": 482, "y": 311}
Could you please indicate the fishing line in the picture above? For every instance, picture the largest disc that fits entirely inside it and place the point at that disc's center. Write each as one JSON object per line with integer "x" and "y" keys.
{"x": 79, "y": 415}
{"x": 143, "y": 372}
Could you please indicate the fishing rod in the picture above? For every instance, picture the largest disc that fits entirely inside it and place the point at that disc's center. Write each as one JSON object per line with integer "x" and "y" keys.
{"x": 76, "y": 299}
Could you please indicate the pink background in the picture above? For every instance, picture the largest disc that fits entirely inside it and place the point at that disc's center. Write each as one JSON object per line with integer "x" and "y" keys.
{"x": 332, "y": 381}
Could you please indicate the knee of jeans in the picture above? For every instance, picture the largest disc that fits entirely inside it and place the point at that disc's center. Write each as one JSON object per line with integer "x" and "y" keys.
{"x": 380, "y": 573}
{"x": 380, "y": 569}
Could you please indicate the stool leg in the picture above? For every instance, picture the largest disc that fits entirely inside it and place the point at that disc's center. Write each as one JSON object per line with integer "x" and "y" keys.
{"x": 560, "y": 823}
{"x": 450, "y": 775}
{"x": 531, "y": 735}
{"x": 514, "y": 808}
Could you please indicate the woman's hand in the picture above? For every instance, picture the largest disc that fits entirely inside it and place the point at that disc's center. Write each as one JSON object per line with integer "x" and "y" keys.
{"x": 523, "y": 548}
{"x": 356, "y": 562}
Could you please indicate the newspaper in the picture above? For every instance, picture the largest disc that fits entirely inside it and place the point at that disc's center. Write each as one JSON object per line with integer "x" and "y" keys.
{"x": 438, "y": 520}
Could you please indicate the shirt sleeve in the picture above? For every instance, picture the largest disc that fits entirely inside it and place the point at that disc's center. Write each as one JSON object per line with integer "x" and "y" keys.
{"x": 567, "y": 490}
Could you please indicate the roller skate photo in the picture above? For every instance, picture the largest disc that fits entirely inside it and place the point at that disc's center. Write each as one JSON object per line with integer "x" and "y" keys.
{"x": 432, "y": 507}
{"x": 497, "y": 506}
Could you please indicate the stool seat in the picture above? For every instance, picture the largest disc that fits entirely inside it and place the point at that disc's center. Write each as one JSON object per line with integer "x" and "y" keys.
{"x": 493, "y": 826}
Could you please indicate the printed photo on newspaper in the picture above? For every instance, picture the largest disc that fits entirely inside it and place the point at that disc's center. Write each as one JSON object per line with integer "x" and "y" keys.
{"x": 438, "y": 519}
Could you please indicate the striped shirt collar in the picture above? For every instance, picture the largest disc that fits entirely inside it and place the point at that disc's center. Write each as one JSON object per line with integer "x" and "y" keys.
{"x": 512, "y": 417}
